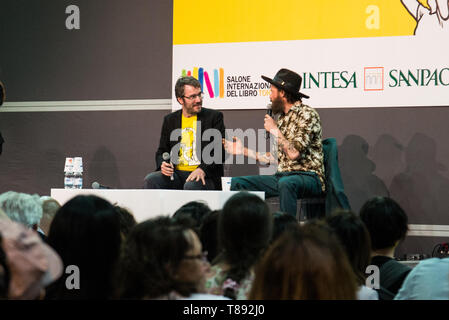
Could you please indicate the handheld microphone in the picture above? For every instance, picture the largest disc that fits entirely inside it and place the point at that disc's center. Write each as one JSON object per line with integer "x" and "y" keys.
{"x": 166, "y": 158}
{"x": 269, "y": 110}
{"x": 270, "y": 113}
{"x": 96, "y": 185}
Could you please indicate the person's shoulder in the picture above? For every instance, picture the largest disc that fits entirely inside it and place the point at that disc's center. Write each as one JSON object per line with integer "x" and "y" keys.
{"x": 206, "y": 296}
{"x": 367, "y": 293}
{"x": 173, "y": 115}
{"x": 210, "y": 112}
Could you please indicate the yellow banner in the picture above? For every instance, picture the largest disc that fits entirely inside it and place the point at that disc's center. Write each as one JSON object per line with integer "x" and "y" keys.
{"x": 213, "y": 21}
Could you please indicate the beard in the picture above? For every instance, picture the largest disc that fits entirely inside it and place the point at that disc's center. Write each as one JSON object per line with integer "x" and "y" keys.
{"x": 190, "y": 108}
{"x": 277, "y": 105}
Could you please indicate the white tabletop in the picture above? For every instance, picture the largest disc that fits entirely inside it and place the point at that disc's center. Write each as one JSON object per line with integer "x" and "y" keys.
{"x": 149, "y": 203}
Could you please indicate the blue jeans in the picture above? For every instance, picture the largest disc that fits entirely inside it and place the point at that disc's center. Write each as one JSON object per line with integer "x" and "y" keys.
{"x": 289, "y": 186}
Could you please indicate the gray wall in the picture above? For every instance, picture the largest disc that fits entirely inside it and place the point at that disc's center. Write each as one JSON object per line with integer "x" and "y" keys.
{"x": 123, "y": 51}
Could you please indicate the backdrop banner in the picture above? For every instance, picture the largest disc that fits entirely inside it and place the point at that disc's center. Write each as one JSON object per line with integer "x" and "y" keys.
{"x": 376, "y": 54}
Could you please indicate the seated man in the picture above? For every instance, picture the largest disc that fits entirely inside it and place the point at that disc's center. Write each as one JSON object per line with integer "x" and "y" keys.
{"x": 300, "y": 171}
{"x": 190, "y": 163}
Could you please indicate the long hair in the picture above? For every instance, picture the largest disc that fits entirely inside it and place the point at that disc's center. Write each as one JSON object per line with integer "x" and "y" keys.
{"x": 151, "y": 254}
{"x": 244, "y": 232}
{"x": 86, "y": 233}
{"x": 304, "y": 263}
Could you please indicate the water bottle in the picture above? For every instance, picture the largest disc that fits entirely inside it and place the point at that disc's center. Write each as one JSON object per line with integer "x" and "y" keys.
{"x": 78, "y": 173}
{"x": 68, "y": 173}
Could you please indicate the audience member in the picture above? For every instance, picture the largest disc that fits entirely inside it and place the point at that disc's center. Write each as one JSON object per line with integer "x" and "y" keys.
{"x": 305, "y": 263}
{"x": 387, "y": 225}
{"x": 195, "y": 210}
{"x": 162, "y": 258}
{"x": 86, "y": 234}
{"x": 3, "y": 214}
{"x": 209, "y": 234}
{"x": 49, "y": 208}
{"x": 282, "y": 221}
{"x": 244, "y": 232}
{"x": 126, "y": 219}
{"x": 355, "y": 239}
{"x": 4, "y": 273}
{"x": 30, "y": 263}
{"x": 429, "y": 280}
{"x": 23, "y": 208}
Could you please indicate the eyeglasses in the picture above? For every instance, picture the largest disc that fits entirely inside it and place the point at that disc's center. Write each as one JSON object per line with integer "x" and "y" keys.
{"x": 202, "y": 256}
{"x": 194, "y": 96}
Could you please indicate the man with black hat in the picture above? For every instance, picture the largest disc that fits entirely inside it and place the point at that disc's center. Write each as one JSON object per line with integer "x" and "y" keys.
{"x": 300, "y": 171}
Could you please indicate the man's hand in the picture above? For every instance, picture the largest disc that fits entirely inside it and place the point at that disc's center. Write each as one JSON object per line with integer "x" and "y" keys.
{"x": 197, "y": 175}
{"x": 270, "y": 125}
{"x": 167, "y": 169}
{"x": 235, "y": 147}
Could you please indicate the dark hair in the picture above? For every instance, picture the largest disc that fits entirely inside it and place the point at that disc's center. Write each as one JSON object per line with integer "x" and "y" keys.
{"x": 86, "y": 233}
{"x": 4, "y": 272}
{"x": 153, "y": 249}
{"x": 354, "y": 237}
{"x": 209, "y": 234}
{"x": 244, "y": 232}
{"x": 386, "y": 221}
{"x": 290, "y": 97}
{"x": 194, "y": 210}
{"x": 304, "y": 263}
{"x": 282, "y": 221}
{"x": 126, "y": 220}
{"x": 183, "y": 81}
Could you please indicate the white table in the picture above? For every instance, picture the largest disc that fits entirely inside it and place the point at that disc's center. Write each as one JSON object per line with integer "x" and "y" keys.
{"x": 145, "y": 203}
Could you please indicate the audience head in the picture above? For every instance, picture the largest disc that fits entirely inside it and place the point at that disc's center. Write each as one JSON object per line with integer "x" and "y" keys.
{"x": 282, "y": 221}
{"x": 244, "y": 232}
{"x": 23, "y": 208}
{"x": 27, "y": 264}
{"x": 195, "y": 210}
{"x": 3, "y": 214}
{"x": 386, "y": 222}
{"x": 86, "y": 233}
{"x": 160, "y": 257}
{"x": 355, "y": 239}
{"x": 209, "y": 234}
{"x": 49, "y": 208}
{"x": 126, "y": 219}
{"x": 305, "y": 263}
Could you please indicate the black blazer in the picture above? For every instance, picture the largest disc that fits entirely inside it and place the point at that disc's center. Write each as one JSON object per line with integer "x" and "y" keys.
{"x": 209, "y": 119}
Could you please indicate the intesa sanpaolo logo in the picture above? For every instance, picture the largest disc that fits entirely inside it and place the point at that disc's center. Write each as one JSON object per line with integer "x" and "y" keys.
{"x": 214, "y": 82}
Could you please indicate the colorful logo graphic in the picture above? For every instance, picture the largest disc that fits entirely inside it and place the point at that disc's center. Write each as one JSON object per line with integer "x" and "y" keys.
{"x": 215, "y": 89}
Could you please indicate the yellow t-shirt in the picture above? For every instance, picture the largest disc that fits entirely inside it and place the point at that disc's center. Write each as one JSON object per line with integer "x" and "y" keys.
{"x": 188, "y": 160}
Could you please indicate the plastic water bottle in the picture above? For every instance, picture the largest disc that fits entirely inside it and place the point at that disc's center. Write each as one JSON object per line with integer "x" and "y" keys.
{"x": 78, "y": 173}
{"x": 68, "y": 174}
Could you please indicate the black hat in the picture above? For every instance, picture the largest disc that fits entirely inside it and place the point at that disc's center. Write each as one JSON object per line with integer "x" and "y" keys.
{"x": 287, "y": 80}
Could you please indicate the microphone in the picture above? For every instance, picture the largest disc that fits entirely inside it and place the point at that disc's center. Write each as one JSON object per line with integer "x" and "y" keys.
{"x": 270, "y": 113}
{"x": 96, "y": 185}
{"x": 269, "y": 110}
{"x": 166, "y": 158}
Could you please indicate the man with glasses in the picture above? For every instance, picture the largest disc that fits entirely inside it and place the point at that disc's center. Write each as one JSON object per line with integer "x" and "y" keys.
{"x": 187, "y": 166}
